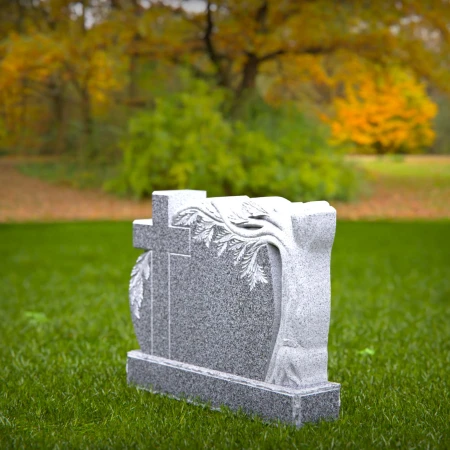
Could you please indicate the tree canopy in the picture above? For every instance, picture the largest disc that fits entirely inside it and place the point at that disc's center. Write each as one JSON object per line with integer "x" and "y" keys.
{"x": 94, "y": 62}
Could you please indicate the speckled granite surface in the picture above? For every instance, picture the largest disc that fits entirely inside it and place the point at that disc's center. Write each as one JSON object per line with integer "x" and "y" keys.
{"x": 271, "y": 402}
{"x": 235, "y": 292}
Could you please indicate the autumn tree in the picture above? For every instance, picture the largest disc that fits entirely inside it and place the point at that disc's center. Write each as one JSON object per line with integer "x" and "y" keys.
{"x": 389, "y": 113}
{"x": 58, "y": 59}
{"x": 284, "y": 48}
{"x": 239, "y": 40}
{"x": 62, "y": 60}
{"x": 27, "y": 71}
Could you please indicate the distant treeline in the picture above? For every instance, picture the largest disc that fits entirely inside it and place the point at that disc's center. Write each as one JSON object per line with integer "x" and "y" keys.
{"x": 74, "y": 75}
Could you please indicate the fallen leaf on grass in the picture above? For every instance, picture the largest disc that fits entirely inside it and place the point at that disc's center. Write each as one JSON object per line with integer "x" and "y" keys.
{"x": 367, "y": 351}
{"x": 36, "y": 318}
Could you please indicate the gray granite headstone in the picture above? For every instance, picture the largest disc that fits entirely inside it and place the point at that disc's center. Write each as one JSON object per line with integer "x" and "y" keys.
{"x": 230, "y": 302}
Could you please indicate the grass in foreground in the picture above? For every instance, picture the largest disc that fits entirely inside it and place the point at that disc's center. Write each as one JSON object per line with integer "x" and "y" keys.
{"x": 65, "y": 330}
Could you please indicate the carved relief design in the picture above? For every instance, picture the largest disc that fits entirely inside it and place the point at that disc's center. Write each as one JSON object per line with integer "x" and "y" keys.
{"x": 301, "y": 237}
{"x": 140, "y": 271}
{"x": 209, "y": 227}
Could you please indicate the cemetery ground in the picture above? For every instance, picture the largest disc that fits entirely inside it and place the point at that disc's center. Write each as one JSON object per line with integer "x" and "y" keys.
{"x": 65, "y": 330}
{"x": 413, "y": 187}
{"x": 65, "y": 325}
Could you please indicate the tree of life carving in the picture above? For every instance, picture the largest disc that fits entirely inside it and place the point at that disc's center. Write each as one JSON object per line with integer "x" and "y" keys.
{"x": 210, "y": 227}
{"x": 300, "y": 352}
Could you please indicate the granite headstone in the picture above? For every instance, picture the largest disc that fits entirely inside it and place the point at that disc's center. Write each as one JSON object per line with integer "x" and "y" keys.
{"x": 231, "y": 304}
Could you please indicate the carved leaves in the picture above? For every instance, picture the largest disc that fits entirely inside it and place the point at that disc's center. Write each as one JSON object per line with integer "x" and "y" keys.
{"x": 250, "y": 210}
{"x": 140, "y": 271}
{"x": 210, "y": 228}
{"x": 245, "y": 254}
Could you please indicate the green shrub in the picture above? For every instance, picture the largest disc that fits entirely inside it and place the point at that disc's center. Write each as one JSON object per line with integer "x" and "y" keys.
{"x": 186, "y": 142}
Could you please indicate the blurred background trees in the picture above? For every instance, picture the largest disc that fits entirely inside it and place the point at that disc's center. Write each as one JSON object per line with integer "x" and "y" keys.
{"x": 241, "y": 95}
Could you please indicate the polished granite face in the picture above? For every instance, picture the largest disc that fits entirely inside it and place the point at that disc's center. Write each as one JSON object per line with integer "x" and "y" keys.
{"x": 233, "y": 287}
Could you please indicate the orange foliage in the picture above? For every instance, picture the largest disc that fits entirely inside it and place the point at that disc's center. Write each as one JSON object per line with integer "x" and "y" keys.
{"x": 82, "y": 56}
{"x": 387, "y": 112}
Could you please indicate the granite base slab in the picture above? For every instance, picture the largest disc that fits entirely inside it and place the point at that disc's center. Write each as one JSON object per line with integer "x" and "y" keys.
{"x": 198, "y": 384}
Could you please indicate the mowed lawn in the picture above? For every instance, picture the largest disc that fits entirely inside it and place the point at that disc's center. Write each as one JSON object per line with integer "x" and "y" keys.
{"x": 410, "y": 187}
{"x": 65, "y": 329}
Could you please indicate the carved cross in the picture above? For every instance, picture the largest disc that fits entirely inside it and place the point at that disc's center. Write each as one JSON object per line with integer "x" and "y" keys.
{"x": 163, "y": 240}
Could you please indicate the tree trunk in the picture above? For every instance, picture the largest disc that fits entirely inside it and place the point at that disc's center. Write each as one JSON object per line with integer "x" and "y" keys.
{"x": 132, "y": 78}
{"x": 249, "y": 73}
{"x": 60, "y": 121}
{"x": 133, "y": 51}
{"x": 24, "y": 132}
{"x": 300, "y": 355}
{"x": 86, "y": 149}
{"x": 247, "y": 85}
{"x": 59, "y": 117}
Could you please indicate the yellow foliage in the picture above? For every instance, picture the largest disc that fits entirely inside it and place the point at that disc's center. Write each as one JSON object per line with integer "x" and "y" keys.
{"x": 84, "y": 55}
{"x": 37, "y": 65}
{"x": 384, "y": 112}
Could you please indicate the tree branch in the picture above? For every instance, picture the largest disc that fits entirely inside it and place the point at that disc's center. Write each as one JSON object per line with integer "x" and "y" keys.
{"x": 214, "y": 56}
{"x": 208, "y": 37}
{"x": 272, "y": 55}
{"x": 261, "y": 15}
{"x": 317, "y": 50}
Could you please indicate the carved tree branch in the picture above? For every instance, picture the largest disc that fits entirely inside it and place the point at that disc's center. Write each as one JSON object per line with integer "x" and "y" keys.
{"x": 273, "y": 221}
{"x": 268, "y": 231}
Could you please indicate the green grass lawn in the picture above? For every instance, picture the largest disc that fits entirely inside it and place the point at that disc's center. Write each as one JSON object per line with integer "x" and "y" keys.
{"x": 422, "y": 166}
{"x": 422, "y": 181}
{"x": 414, "y": 172}
{"x": 65, "y": 329}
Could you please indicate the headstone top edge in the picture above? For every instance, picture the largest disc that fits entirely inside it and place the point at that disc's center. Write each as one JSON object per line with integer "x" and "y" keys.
{"x": 312, "y": 208}
{"x": 143, "y": 222}
{"x": 177, "y": 192}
